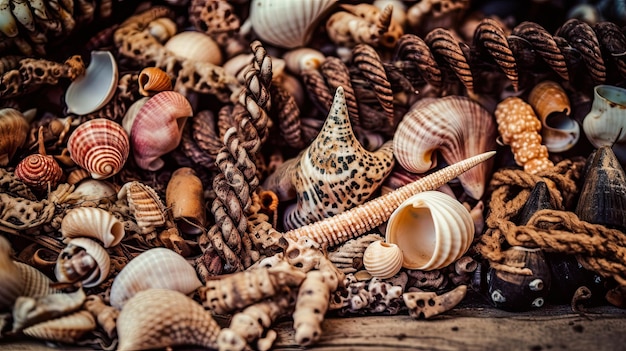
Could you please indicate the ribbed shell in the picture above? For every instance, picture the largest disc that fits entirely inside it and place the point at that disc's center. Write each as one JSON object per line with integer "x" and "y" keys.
{"x": 158, "y": 128}
{"x": 432, "y": 229}
{"x": 100, "y": 146}
{"x": 96, "y": 87}
{"x": 99, "y": 255}
{"x": 36, "y": 284}
{"x": 38, "y": 171}
{"x": 153, "y": 80}
{"x": 68, "y": 329}
{"x": 195, "y": 46}
{"x": 159, "y": 318}
{"x": 382, "y": 260}
{"x": 155, "y": 268}
{"x": 11, "y": 283}
{"x": 146, "y": 205}
{"x": 93, "y": 223}
{"x": 13, "y": 133}
{"x": 455, "y": 126}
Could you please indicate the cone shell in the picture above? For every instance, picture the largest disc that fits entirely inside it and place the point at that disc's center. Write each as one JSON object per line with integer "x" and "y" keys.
{"x": 450, "y": 125}
{"x": 285, "y": 23}
{"x": 195, "y": 46}
{"x": 11, "y": 283}
{"x": 93, "y": 223}
{"x": 145, "y": 204}
{"x": 68, "y": 329}
{"x": 153, "y": 80}
{"x": 13, "y": 133}
{"x": 432, "y": 229}
{"x": 85, "y": 260}
{"x": 382, "y": 260}
{"x": 95, "y": 89}
{"x": 100, "y": 146}
{"x": 159, "y": 318}
{"x": 158, "y": 128}
{"x": 39, "y": 171}
{"x": 155, "y": 268}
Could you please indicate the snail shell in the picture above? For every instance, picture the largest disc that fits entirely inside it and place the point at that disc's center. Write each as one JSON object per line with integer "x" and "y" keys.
{"x": 382, "y": 260}
{"x": 36, "y": 284}
{"x": 39, "y": 171}
{"x": 83, "y": 260}
{"x": 13, "y": 133}
{"x": 93, "y": 223}
{"x": 153, "y": 80}
{"x": 68, "y": 329}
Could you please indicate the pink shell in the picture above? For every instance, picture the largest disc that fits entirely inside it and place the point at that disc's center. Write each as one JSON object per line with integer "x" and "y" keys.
{"x": 37, "y": 171}
{"x": 100, "y": 146}
{"x": 158, "y": 128}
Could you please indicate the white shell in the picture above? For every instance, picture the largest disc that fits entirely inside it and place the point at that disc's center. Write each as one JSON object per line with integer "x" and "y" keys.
{"x": 432, "y": 229}
{"x": 155, "y": 268}
{"x": 95, "y": 190}
{"x": 93, "y": 223}
{"x": 382, "y": 260}
{"x": 195, "y": 46}
{"x": 11, "y": 283}
{"x": 68, "y": 329}
{"x": 131, "y": 113}
{"x": 95, "y": 89}
{"x": 605, "y": 124}
{"x": 97, "y": 253}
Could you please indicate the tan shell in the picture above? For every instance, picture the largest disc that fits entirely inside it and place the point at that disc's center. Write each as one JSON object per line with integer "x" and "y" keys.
{"x": 95, "y": 190}
{"x": 155, "y": 268}
{"x": 93, "y": 223}
{"x": 302, "y": 59}
{"x": 605, "y": 123}
{"x": 13, "y": 133}
{"x": 195, "y": 46}
{"x": 432, "y": 229}
{"x": 77, "y": 175}
{"x": 83, "y": 260}
{"x": 95, "y": 89}
{"x": 185, "y": 197}
{"x": 162, "y": 29}
{"x": 146, "y": 205}
{"x": 39, "y": 171}
{"x": 36, "y": 284}
{"x": 449, "y": 125}
{"x": 159, "y": 318}
{"x": 68, "y": 329}
{"x": 11, "y": 283}
{"x": 382, "y": 260}
{"x": 153, "y": 80}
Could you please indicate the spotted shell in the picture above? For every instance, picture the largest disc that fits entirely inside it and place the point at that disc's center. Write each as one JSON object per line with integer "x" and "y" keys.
{"x": 450, "y": 125}
{"x": 11, "y": 283}
{"x": 100, "y": 146}
{"x": 39, "y": 171}
{"x": 382, "y": 260}
{"x": 67, "y": 329}
{"x": 83, "y": 260}
{"x": 153, "y": 80}
{"x": 155, "y": 268}
{"x": 93, "y": 223}
{"x": 145, "y": 204}
{"x": 13, "y": 133}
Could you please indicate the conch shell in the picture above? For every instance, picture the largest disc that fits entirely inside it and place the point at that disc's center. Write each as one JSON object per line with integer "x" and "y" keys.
{"x": 93, "y": 223}
{"x": 83, "y": 260}
{"x": 13, "y": 133}
{"x": 382, "y": 260}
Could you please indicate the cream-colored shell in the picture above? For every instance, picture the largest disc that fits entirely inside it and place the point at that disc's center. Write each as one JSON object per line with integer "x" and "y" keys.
{"x": 382, "y": 260}
{"x": 95, "y": 89}
{"x": 68, "y": 329}
{"x": 36, "y": 284}
{"x": 155, "y": 268}
{"x": 95, "y": 190}
{"x": 302, "y": 59}
{"x": 93, "y": 223}
{"x": 605, "y": 123}
{"x": 432, "y": 229}
{"x": 195, "y": 46}
{"x": 93, "y": 249}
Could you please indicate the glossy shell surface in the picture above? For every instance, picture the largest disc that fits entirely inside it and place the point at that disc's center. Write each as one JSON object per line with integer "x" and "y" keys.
{"x": 93, "y": 223}
{"x": 95, "y": 89}
{"x": 382, "y": 260}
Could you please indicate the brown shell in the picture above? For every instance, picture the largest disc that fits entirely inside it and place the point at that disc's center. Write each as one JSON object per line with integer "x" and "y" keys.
{"x": 13, "y": 133}
{"x": 540, "y": 43}
{"x": 490, "y": 36}
{"x": 146, "y": 205}
{"x": 153, "y": 80}
{"x": 39, "y": 171}
{"x": 413, "y": 49}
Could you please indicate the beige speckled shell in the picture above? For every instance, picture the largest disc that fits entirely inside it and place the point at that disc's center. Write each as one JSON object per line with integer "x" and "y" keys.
{"x": 11, "y": 283}
{"x": 146, "y": 205}
{"x": 432, "y": 229}
{"x": 13, "y": 133}
{"x": 382, "y": 260}
{"x": 155, "y": 268}
{"x": 97, "y": 253}
{"x": 93, "y": 223}
{"x": 195, "y": 46}
{"x": 67, "y": 329}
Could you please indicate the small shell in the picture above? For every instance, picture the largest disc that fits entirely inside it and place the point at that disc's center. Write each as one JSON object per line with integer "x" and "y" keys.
{"x": 11, "y": 283}
{"x": 162, "y": 29}
{"x": 68, "y": 329}
{"x": 605, "y": 123}
{"x": 36, "y": 284}
{"x": 100, "y": 146}
{"x": 95, "y": 190}
{"x": 153, "y": 80}
{"x": 77, "y": 175}
{"x": 301, "y": 59}
{"x": 13, "y": 133}
{"x": 39, "y": 171}
{"x": 146, "y": 205}
{"x": 131, "y": 114}
{"x": 185, "y": 196}
{"x": 95, "y": 89}
{"x": 195, "y": 46}
{"x": 158, "y": 128}
{"x": 93, "y": 223}
{"x": 432, "y": 229}
{"x": 83, "y": 260}
{"x": 155, "y": 268}
{"x": 382, "y": 260}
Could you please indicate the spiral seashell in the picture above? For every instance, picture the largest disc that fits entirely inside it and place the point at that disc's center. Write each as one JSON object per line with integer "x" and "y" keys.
{"x": 195, "y": 46}
{"x": 159, "y": 318}
{"x": 432, "y": 229}
{"x": 68, "y": 329}
{"x": 490, "y": 36}
{"x": 93, "y": 223}
{"x": 581, "y": 37}
{"x": 100, "y": 146}
{"x": 541, "y": 44}
{"x": 36, "y": 284}
{"x": 95, "y": 89}
{"x": 11, "y": 283}
{"x": 146, "y": 205}
{"x": 13, "y": 133}
{"x": 39, "y": 171}
{"x": 443, "y": 44}
{"x": 449, "y": 125}
{"x": 153, "y": 80}
{"x": 300, "y": 59}
{"x": 83, "y": 260}
{"x": 158, "y": 268}
{"x": 185, "y": 196}
{"x": 382, "y": 260}
{"x": 287, "y": 24}
{"x": 158, "y": 128}
{"x": 559, "y": 132}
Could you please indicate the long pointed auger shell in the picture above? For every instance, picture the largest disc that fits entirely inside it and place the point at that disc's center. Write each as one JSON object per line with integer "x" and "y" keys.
{"x": 361, "y": 219}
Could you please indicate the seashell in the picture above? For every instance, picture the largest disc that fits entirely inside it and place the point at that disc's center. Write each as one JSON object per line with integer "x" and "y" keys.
{"x": 539, "y": 199}
{"x": 77, "y": 175}
{"x": 426, "y": 304}
{"x": 11, "y": 283}
{"x": 603, "y": 125}
{"x": 185, "y": 197}
{"x": 95, "y": 89}
{"x": 83, "y": 260}
{"x": 36, "y": 283}
{"x": 68, "y": 329}
{"x": 39, "y": 171}
{"x": 147, "y": 319}
{"x": 162, "y": 29}
{"x": 287, "y": 24}
{"x": 559, "y": 132}
{"x": 158, "y": 128}
{"x": 335, "y": 172}
{"x": 14, "y": 130}
{"x": 93, "y": 223}
{"x": 450, "y": 125}
{"x": 154, "y": 268}
{"x": 300, "y": 59}
{"x": 100, "y": 146}
{"x": 131, "y": 114}
{"x": 382, "y": 260}
{"x": 95, "y": 190}
{"x": 153, "y": 80}
{"x": 29, "y": 311}
{"x": 195, "y": 46}
{"x": 432, "y": 229}
{"x": 145, "y": 204}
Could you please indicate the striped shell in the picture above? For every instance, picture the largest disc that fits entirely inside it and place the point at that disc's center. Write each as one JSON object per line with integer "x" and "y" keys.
{"x": 145, "y": 204}
{"x": 95, "y": 89}
{"x": 83, "y": 260}
{"x": 13, "y": 133}
{"x": 11, "y": 283}
{"x": 155, "y": 268}
{"x": 382, "y": 260}
{"x": 100, "y": 146}
{"x": 455, "y": 126}
{"x": 153, "y": 80}
{"x": 36, "y": 284}
{"x": 39, "y": 171}
{"x": 93, "y": 223}
{"x": 158, "y": 318}
{"x": 158, "y": 128}
{"x": 68, "y": 329}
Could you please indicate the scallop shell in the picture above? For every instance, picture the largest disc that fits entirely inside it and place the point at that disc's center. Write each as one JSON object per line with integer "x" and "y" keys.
{"x": 39, "y": 171}
{"x": 95, "y": 89}
{"x": 432, "y": 229}
{"x": 155, "y": 268}
{"x": 145, "y": 204}
{"x": 285, "y": 23}
{"x": 68, "y": 329}
{"x": 559, "y": 132}
{"x": 450, "y": 125}
{"x": 605, "y": 123}
{"x": 13, "y": 133}
{"x": 158, "y": 128}
{"x": 85, "y": 260}
{"x": 100, "y": 146}
{"x": 382, "y": 260}
{"x": 153, "y": 80}
{"x": 159, "y": 318}
{"x": 11, "y": 283}
{"x": 93, "y": 223}
{"x": 195, "y": 46}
